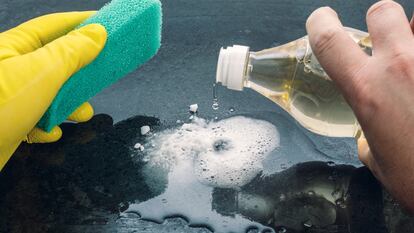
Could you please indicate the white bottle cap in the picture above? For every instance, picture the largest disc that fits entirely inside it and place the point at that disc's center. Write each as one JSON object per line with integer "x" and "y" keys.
{"x": 231, "y": 67}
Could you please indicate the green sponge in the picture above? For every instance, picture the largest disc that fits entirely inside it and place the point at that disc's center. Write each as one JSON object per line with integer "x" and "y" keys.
{"x": 134, "y": 36}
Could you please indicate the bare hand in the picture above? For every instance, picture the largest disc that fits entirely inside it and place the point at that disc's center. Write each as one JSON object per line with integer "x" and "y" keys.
{"x": 379, "y": 88}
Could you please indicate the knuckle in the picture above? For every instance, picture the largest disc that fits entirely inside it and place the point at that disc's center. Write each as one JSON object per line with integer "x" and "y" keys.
{"x": 364, "y": 100}
{"x": 401, "y": 65}
{"x": 382, "y": 6}
{"x": 325, "y": 40}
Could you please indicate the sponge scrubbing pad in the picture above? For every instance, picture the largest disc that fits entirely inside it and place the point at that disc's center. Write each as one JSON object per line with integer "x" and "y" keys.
{"x": 134, "y": 36}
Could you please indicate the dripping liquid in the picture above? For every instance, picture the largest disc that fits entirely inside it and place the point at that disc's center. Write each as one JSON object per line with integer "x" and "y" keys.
{"x": 215, "y": 104}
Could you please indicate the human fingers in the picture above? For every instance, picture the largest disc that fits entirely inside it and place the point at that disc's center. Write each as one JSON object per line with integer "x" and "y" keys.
{"x": 38, "y": 32}
{"x": 388, "y": 26}
{"x": 338, "y": 54}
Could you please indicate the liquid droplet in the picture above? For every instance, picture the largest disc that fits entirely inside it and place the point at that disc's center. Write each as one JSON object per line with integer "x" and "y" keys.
{"x": 215, "y": 105}
{"x": 330, "y": 163}
{"x": 231, "y": 109}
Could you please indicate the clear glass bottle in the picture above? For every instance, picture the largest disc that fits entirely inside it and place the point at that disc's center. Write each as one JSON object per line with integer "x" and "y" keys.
{"x": 291, "y": 76}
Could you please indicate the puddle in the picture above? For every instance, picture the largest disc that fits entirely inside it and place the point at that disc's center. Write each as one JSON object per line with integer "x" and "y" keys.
{"x": 221, "y": 175}
{"x": 244, "y": 172}
{"x": 199, "y": 157}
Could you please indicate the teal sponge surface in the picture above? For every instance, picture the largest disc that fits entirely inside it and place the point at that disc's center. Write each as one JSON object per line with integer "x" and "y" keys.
{"x": 134, "y": 36}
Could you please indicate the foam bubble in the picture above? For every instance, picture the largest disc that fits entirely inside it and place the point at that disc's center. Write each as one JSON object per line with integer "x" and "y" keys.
{"x": 140, "y": 147}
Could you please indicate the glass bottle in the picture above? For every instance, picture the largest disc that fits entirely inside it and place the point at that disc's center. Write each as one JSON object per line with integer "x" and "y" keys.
{"x": 291, "y": 76}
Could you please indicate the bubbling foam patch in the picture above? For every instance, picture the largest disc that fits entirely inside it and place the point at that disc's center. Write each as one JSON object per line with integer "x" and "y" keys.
{"x": 227, "y": 153}
{"x": 186, "y": 165}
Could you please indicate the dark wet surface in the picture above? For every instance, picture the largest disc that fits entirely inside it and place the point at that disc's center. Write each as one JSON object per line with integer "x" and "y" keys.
{"x": 84, "y": 182}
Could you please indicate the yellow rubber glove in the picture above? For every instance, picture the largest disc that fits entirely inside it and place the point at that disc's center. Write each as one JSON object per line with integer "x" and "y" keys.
{"x": 82, "y": 114}
{"x": 36, "y": 59}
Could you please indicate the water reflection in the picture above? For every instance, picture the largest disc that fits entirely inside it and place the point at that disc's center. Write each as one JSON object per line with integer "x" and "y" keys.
{"x": 89, "y": 178}
{"x": 305, "y": 198}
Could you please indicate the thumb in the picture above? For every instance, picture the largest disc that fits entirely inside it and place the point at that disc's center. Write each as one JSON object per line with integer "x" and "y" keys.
{"x": 38, "y": 135}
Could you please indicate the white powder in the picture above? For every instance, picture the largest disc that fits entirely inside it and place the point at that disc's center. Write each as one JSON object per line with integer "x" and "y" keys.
{"x": 193, "y": 108}
{"x": 145, "y": 129}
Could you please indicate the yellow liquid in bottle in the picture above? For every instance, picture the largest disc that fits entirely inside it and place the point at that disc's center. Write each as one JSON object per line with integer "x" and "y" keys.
{"x": 288, "y": 76}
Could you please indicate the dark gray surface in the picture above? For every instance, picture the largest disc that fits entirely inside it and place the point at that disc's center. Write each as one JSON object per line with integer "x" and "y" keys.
{"x": 193, "y": 33}
{"x": 38, "y": 193}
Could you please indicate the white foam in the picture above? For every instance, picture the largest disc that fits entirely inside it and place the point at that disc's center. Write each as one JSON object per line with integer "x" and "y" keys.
{"x": 227, "y": 153}
{"x": 145, "y": 129}
{"x": 186, "y": 164}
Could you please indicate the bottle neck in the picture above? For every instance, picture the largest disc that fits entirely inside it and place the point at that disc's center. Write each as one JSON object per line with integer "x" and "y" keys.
{"x": 231, "y": 66}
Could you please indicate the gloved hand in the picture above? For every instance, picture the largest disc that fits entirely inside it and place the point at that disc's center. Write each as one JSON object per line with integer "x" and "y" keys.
{"x": 82, "y": 114}
{"x": 36, "y": 59}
